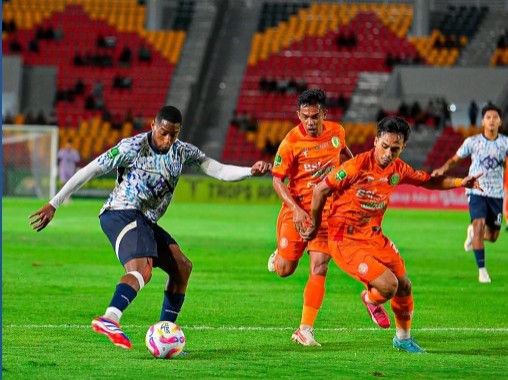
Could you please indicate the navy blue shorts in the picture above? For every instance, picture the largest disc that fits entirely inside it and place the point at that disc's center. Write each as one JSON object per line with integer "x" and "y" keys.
{"x": 133, "y": 236}
{"x": 490, "y": 209}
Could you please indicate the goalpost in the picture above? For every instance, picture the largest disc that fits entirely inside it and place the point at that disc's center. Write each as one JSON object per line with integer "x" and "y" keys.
{"x": 29, "y": 166}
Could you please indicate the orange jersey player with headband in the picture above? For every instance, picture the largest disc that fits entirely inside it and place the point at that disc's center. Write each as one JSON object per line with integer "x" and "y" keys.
{"x": 306, "y": 155}
{"x": 362, "y": 188}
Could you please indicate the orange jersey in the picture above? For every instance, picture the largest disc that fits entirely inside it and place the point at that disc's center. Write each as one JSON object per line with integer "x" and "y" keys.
{"x": 306, "y": 160}
{"x": 362, "y": 190}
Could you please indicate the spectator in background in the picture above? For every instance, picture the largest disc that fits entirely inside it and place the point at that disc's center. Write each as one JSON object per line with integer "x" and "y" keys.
{"x": 263, "y": 84}
{"x": 49, "y": 33}
{"x": 301, "y": 86}
{"x": 110, "y": 42}
{"x": 89, "y": 102}
{"x": 101, "y": 41}
{"x": 117, "y": 81}
{"x": 292, "y": 86}
{"x": 79, "y": 87}
{"x": 473, "y": 112}
{"x": 138, "y": 122}
{"x": 78, "y": 59}
{"x": 122, "y": 82}
{"x": 417, "y": 114}
{"x": 381, "y": 114}
{"x": 9, "y": 26}
{"x": 33, "y": 45}
{"x": 68, "y": 158}
{"x": 59, "y": 33}
{"x": 41, "y": 118}
{"x": 433, "y": 110}
{"x": 282, "y": 85}
{"x": 98, "y": 88}
{"x": 15, "y": 46}
{"x": 446, "y": 118}
{"x": 403, "y": 110}
{"x": 8, "y": 118}
{"x": 52, "y": 118}
{"x": 144, "y": 54}
{"x": 30, "y": 118}
{"x": 125, "y": 56}
{"x": 39, "y": 33}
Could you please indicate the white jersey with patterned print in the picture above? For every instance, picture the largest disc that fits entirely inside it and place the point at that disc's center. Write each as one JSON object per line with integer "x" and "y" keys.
{"x": 146, "y": 179}
{"x": 487, "y": 157}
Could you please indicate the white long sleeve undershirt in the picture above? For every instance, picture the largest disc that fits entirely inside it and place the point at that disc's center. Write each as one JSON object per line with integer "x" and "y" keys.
{"x": 81, "y": 177}
{"x": 223, "y": 172}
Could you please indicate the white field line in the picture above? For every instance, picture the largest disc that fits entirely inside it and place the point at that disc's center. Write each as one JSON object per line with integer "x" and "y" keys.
{"x": 259, "y": 328}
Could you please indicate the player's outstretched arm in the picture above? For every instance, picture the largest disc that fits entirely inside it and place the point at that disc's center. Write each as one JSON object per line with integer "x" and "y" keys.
{"x": 230, "y": 173}
{"x": 446, "y": 166}
{"x": 442, "y": 182}
{"x": 41, "y": 218}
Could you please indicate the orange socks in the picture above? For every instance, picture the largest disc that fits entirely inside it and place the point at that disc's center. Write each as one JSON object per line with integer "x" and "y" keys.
{"x": 403, "y": 309}
{"x": 312, "y": 299}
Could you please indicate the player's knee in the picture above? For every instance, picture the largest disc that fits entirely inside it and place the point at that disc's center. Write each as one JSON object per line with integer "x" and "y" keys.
{"x": 491, "y": 235}
{"x": 285, "y": 268}
{"x": 479, "y": 226}
{"x": 319, "y": 264}
{"x": 388, "y": 286}
{"x": 404, "y": 288}
{"x": 320, "y": 269}
{"x": 142, "y": 279}
{"x": 184, "y": 267}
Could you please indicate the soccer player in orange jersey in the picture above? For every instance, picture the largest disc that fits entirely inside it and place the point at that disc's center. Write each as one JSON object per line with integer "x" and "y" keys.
{"x": 362, "y": 187}
{"x": 305, "y": 156}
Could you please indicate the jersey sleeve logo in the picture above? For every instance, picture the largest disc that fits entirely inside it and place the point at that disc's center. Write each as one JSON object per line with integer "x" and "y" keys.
{"x": 341, "y": 174}
{"x": 113, "y": 153}
{"x": 278, "y": 160}
{"x": 335, "y": 142}
{"x": 394, "y": 179}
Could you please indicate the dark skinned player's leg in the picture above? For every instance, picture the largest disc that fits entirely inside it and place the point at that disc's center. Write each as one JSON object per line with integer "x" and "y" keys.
{"x": 179, "y": 268}
{"x": 138, "y": 273}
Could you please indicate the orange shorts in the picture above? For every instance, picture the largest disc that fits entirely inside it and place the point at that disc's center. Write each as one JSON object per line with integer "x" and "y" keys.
{"x": 365, "y": 259}
{"x": 290, "y": 244}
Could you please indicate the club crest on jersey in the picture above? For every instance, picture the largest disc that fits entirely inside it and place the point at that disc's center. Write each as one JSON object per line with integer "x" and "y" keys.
{"x": 335, "y": 142}
{"x": 394, "y": 179}
{"x": 278, "y": 160}
{"x": 363, "y": 268}
{"x": 341, "y": 174}
{"x": 112, "y": 153}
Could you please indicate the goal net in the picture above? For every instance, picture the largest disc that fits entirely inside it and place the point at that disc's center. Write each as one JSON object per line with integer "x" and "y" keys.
{"x": 29, "y": 154}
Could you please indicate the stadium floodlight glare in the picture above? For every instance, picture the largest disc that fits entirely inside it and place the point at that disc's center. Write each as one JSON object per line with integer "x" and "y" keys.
{"x": 29, "y": 160}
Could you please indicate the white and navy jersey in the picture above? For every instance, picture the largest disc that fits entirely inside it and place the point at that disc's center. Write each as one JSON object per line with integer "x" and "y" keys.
{"x": 487, "y": 157}
{"x": 146, "y": 179}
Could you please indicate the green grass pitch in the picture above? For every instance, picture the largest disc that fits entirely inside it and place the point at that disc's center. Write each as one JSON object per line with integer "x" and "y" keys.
{"x": 238, "y": 318}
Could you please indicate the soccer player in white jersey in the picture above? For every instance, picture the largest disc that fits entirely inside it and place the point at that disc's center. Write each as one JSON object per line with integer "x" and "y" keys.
{"x": 488, "y": 152}
{"x": 148, "y": 168}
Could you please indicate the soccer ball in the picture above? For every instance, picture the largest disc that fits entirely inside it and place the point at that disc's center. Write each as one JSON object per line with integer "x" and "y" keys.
{"x": 165, "y": 340}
